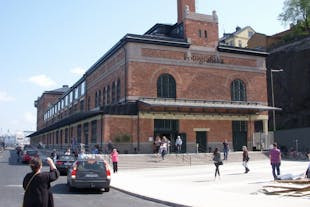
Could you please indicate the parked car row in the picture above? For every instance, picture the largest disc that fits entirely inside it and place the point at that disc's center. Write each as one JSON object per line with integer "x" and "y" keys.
{"x": 87, "y": 171}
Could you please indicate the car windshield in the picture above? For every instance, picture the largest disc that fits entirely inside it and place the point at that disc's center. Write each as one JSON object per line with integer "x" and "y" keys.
{"x": 32, "y": 153}
{"x": 66, "y": 158}
{"x": 91, "y": 165}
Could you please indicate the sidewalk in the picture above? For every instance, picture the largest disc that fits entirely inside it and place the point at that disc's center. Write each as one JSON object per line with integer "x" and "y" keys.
{"x": 195, "y": 185}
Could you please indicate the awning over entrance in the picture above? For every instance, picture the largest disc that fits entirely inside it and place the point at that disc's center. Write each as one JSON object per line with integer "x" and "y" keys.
{"x": 159, "y": 104}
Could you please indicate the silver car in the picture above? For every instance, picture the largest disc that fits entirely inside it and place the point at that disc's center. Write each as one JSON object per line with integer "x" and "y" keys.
{"x": 89, "y": 171}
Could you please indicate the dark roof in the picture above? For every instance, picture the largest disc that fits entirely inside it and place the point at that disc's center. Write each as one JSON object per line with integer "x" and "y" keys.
{"x": 147, "y": 38}
{"x": 129, "y": 108}
{"x": 242, "y": 50}
{"x": 69, "y": 120}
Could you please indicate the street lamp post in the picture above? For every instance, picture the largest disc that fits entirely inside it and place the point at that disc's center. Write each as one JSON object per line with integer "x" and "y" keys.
{"x": 272, "y": 98}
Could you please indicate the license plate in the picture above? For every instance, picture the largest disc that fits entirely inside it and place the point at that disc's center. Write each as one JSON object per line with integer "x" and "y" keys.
{"x": 91, "y": 175}
{"x": 67, "y": 163}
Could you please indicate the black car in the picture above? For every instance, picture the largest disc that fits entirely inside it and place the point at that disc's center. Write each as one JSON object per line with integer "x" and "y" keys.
{"x": 64, "y": 162}
{"x": 89, "y": 171}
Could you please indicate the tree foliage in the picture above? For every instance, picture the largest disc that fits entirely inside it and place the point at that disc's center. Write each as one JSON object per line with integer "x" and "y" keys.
{"x": 297, "y": 12}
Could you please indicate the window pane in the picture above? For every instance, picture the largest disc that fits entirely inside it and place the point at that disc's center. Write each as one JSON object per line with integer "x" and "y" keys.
{"x": 166, "y": 86}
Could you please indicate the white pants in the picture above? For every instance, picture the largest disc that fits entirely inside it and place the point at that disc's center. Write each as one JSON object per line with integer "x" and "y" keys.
{"x": 245, "y": 164}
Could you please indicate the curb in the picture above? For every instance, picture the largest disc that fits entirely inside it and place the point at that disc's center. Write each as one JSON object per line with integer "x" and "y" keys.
{"x": 168, "y": 203}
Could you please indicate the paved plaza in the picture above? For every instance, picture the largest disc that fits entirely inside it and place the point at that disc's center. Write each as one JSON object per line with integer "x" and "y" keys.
{"x": 196, "y": 186}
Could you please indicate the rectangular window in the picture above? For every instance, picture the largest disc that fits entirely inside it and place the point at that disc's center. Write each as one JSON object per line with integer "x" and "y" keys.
{"x": 83, "y": 88}
{"x": 93, "y": 132}
{"x": 199, "y": 33}
{"x": 79, "y": 133}
{"x": 66, "y": 135}
{"x": 85, "y": 130}
{"x": 250, "y": 34}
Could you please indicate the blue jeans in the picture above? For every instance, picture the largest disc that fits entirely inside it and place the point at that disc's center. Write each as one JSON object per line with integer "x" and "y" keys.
{"x": 225, "y": 154}
{"x": 275, "y": 167}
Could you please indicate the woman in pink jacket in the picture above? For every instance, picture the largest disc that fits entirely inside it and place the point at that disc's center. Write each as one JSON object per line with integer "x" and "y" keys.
{"x": 114, "y": 157}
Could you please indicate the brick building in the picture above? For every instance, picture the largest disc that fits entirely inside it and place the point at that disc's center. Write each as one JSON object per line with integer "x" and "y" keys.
{"x": 173, "y": 80}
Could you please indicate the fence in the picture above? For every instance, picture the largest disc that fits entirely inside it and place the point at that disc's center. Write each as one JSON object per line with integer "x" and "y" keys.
{"x": 262, "y": 141}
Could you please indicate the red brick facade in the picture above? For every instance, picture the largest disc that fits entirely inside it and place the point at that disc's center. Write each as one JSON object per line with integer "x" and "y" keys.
{"x": 120, "y": 97}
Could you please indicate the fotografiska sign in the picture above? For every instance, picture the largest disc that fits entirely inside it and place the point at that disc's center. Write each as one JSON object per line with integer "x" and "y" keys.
{"x": 204, "y": 59}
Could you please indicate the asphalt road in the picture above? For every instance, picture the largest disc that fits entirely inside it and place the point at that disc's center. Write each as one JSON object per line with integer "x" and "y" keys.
{"x": 11, "y": 191}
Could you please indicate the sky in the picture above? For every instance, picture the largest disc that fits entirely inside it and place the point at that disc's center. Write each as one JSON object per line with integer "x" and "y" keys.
{"x": 45, "y": 44}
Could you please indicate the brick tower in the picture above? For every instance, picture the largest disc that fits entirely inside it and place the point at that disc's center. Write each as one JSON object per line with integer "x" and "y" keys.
{"x": 199, "y": 29}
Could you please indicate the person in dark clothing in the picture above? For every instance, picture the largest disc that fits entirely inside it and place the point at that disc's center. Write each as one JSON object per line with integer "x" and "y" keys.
{"x": 37, "y": 184}
{"x": 245, "y": 159}
{"x": 225, "y": 149}
{"x": 217, "y": 161}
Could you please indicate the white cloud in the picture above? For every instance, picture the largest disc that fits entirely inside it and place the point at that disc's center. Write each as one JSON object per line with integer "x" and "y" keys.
{"x": 5, "y": 97}
{"x": 30, "y": 117}
{"x": 42, "y": 80}
{"x": 78, "y": 71}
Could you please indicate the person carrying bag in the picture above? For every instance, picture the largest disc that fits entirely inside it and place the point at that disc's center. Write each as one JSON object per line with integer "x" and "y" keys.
{"x": 37, "y": 184}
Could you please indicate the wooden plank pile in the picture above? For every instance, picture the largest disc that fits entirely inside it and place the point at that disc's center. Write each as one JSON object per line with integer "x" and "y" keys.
{"x": 296, "y": 188}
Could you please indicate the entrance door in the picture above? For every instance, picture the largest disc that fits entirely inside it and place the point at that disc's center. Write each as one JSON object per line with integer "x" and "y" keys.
{"x": 201, "y": 140}
{"x": 167, "y": 128}
{"x": 240, "y": 131}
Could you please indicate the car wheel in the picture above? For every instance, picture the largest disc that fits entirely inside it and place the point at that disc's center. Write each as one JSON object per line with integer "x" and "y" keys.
{"x": 71, "y": 189}
{"x": 106, "y": 189}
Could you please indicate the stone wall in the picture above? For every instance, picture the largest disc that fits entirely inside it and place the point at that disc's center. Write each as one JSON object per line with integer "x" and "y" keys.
{"x": 292, "y": 86}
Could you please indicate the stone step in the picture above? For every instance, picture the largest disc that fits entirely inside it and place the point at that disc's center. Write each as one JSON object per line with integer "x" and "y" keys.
{"x": 134, "y": 161}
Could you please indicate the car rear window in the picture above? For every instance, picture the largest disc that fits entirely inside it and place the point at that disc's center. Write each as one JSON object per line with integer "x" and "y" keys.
{"x": 31, "y": 153}
{"x": 91, "y": 165}
{"x": 66, "y": 158}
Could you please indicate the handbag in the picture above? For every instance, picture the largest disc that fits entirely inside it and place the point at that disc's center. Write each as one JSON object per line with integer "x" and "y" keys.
{"x": 29, "y": 184}
{"x": 220, "y": 162}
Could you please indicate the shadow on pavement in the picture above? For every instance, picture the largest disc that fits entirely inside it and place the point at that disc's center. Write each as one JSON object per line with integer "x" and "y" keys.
{"x": 62, "y": 188}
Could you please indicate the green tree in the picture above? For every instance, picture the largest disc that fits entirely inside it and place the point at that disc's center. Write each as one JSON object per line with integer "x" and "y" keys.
{"x": 297, "y": 12}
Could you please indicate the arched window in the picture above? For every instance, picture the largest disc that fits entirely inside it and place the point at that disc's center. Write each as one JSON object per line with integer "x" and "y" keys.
{"x": 238, "y": 90}
{"x": 118, "y": 90}
{"x": 104, "y": 95}
{"x": 96, "y": 99}
{"x": 108, "y": 95}
{"x": 99, "y": 98}
{"x": 113, "y": 93}
{"x": 166, "y": 86}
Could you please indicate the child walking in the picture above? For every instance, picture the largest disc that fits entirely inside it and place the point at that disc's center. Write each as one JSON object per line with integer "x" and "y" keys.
{"x": 114, "y": 157}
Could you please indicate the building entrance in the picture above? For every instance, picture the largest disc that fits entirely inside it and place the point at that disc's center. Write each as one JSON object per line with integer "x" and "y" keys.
{"x": 201, "y": 140}
{"x": 240, "y": 131}
{"x": 169, "y": 129}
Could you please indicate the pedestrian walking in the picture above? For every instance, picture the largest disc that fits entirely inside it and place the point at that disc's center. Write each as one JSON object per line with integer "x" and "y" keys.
{"x": 217, "y": 161}
{"x": 245, "y": 158}
{"x": 110, "y": 147}
{"x": 157, "y": 144}
{"x": 37, "y": 184}
{"x": 178, "y": 144}
{"x": 275, "y": 160}
{"x": 18, "y": 153}
{"x": 225, "y": 149}
{"x": 68, "y": 152}
{"x": 54, "y": 155}
{"x": 114, "y": 158}
{"x": 163, "y": 149}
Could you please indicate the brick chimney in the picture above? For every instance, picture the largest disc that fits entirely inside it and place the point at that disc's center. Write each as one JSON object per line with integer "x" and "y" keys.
{"x": 182, "y": 4}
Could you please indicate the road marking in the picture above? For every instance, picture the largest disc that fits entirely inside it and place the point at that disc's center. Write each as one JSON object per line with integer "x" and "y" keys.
{"x": 14, "y": 186}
